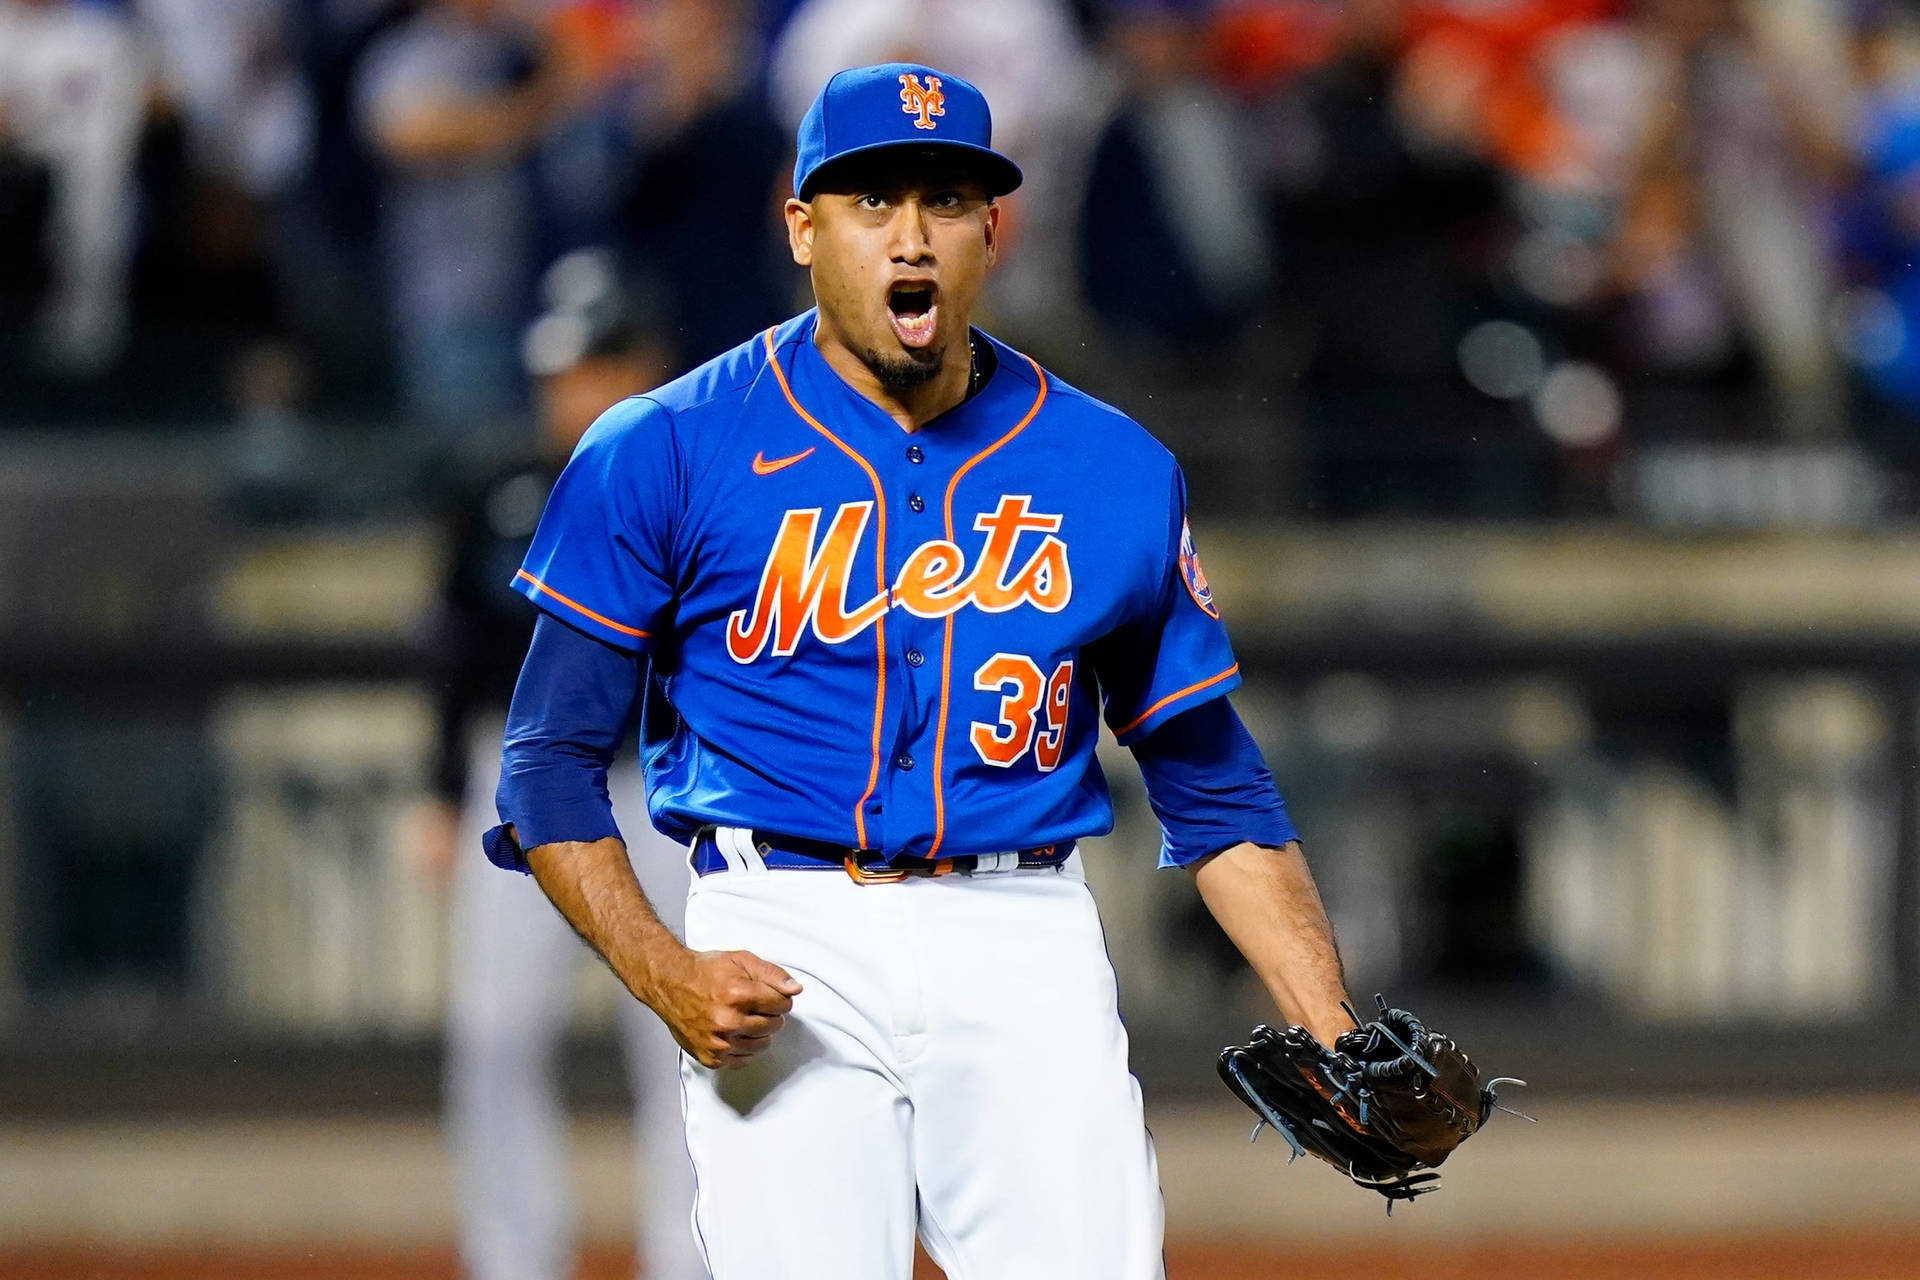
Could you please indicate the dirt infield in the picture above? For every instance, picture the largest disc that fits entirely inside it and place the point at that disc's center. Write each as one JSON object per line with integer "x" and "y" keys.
{"x": 1760, "y": 1258}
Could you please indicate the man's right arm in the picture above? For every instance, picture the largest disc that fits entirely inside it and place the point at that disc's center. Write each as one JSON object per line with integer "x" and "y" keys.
{"x": 569, "y": 713}
{"x": 722, "y": 1006}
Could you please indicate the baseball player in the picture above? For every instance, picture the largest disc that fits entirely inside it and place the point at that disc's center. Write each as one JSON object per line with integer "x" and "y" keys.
{"x": 874, "y": 578}
{"x": 511, "y": 982}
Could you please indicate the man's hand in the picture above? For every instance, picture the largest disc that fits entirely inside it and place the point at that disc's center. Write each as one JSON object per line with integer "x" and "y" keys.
{"x": 723, "y": 1007}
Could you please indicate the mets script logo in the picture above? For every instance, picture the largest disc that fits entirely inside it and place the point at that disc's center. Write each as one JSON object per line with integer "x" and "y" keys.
{"x": 1193, "y": 575}
{"x": 804, "y": 586}
{"x": 925, "y": 103}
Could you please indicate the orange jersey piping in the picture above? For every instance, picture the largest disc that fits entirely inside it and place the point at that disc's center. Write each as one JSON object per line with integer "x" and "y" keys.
{"x": 946, "y": 657}
{"x": 581, "y": 609}
{"x": 879, "y": 577}
{"x": 1174, "y": 697}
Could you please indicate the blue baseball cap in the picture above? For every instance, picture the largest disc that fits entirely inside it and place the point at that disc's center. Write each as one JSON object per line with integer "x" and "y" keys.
{"x": 899, "y": 104}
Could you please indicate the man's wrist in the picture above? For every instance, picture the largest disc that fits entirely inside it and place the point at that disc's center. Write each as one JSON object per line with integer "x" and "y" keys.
{"x": 662, "y": 965}
{"x": 1327, "y": 1029}
{"x": 1323, "y": 1023}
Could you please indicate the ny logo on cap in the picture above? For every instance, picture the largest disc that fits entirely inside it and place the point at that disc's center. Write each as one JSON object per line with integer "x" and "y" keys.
{"x": 925, "y": 103}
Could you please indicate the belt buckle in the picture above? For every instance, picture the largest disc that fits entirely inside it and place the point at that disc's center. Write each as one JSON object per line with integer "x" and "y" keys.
{"x": 866, "y": 875}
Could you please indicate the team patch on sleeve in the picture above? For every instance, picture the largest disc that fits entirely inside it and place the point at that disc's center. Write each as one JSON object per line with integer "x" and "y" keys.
{"x": 1193, "y": 575}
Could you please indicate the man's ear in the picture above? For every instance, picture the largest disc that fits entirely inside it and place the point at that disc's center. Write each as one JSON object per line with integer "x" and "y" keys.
{"x": 992, "y": 231}
{"x": 800, "y": 231}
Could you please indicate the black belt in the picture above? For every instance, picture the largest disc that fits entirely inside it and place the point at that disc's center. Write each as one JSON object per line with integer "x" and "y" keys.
{"x": 718, "y": 849}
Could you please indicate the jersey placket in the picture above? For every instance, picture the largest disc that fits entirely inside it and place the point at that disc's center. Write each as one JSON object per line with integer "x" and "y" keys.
{"x": 911, "y": 473}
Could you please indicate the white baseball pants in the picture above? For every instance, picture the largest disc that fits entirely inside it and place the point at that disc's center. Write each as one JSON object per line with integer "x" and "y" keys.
{"x": 510, "y": 999}
{"x": 955, "y": 1067}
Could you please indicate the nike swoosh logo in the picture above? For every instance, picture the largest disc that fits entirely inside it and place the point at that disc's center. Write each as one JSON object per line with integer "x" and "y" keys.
{"x": 761, "y": 467}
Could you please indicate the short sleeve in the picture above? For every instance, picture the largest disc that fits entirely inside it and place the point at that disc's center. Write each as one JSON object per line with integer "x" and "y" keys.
{"x": 602, "y": 558}
{"x": 1174, "y": 654}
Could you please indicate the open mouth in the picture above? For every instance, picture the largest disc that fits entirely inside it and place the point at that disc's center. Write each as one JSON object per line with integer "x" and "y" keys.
{"x": 915, "y": 313}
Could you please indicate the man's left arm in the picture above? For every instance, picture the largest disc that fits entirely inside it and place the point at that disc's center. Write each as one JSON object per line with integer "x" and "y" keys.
{"x": 1265, "y": 900}
{"x": 1225, "y": 823}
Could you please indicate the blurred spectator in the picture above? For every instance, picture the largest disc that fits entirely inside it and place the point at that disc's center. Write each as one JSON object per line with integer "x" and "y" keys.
{"x": 1173, "y": 243}
{"x": 224, "y": 67}
{"x": 1383, "y": 240}
{"x": 1029, "y": 57}
{"x": 699, "y": 217}
{"x": 1548, "y": 95}
{"x": 515, "y": 961}
{"x": 72, "y": 93}
{"x": 229, "y": 128}
{"x": 452, "y": 101}
{"x": 1721, "y": 236}
{"x": 580, "y": 162}
{"x": 321, "y": 195}
{"x": 1471, "y": 78}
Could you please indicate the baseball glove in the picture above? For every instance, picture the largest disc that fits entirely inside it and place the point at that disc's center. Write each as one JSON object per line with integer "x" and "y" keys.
{"x": 1385, "y": 1106}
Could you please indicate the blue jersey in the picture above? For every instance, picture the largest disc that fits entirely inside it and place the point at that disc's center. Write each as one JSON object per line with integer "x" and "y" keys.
{"x": 891, "y": 641}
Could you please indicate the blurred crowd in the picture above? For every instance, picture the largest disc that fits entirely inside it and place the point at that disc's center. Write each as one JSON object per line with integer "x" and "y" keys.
{"x": 1411, "y": 227}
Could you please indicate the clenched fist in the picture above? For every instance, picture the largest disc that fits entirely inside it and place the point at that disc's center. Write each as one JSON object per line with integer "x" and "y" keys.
{"x": 723, "y": 1006}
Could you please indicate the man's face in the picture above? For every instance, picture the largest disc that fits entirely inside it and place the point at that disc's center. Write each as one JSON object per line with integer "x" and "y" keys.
{"x": 899, "y": 246}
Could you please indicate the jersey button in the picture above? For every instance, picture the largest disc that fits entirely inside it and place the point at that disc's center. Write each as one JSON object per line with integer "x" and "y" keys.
{"x": 903, "y": 762}
{"x": 914, "y": 454}
{"x": 915, "y": 657}
{"x": 917, "y": 502}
